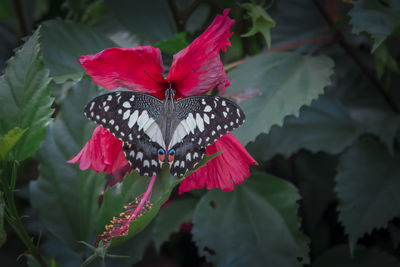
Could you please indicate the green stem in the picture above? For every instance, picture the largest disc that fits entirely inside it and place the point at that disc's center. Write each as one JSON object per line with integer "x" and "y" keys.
{"x": 13, "y": 218}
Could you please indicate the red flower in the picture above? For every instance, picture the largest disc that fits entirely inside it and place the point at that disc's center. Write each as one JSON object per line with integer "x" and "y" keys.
{"x": 194, "y": 71}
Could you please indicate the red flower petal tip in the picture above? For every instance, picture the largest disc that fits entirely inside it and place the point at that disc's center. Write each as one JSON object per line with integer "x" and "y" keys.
{"x": 198, "y": 68}
{"x": 228, "y": 169}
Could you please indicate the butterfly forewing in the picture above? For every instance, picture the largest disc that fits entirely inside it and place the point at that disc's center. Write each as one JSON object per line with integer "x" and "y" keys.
{"x": 204, "y": 119}
{"x": 131, "y": 117}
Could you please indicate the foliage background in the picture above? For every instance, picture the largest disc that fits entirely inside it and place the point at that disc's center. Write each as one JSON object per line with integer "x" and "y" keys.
{"x": 323, "y": 113}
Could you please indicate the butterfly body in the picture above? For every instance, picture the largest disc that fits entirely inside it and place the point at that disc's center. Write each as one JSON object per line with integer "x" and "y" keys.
{"x": 155, "y": 131}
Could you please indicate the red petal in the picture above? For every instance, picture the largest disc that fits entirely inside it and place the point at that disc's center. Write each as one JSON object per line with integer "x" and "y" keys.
{"x": 226, "y": 170}
{"x": 198, "y": 68}
{"x": 138, "y": 68}
{"x": 103, "y": 152}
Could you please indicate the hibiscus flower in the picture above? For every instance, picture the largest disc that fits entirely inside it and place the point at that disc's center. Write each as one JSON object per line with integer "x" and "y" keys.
{"x": 194, "y": 71}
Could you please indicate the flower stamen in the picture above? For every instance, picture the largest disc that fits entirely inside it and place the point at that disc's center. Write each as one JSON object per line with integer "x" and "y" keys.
{"x": 119, "y": 226}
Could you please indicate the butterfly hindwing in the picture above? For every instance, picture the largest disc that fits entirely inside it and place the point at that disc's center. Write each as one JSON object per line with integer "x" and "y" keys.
{"x": 187, "y": 156}
{"x": 142, "y": 156}
{"x": 204, "y": 119}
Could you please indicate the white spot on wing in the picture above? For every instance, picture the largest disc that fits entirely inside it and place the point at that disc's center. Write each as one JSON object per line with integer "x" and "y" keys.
{"x": 176, "y": 164}
{"x": 206, "y": 119}
{"x": 109, "y": 97}
{"x": 106, "y": 108}
{"x": 223, "y": 103}
{"x": 182, "y": 164}
{"x": 133, "y": 118}
{"x": 225, "y": 114}
{"x": 146, "y": 163}
{"x": 112, "y": 122}
{"x": 139, "y": 155}
{"x": 199, "y": 122}
{"x": 188, "y": 157}
{"x": 143, "y": 118}
{"x": 126, "y": 104}
{"x": 195, "y": 155}
{"x": 153, "y": 162}
{"x": 207, "y": 108}
{"x": 126, "y": 114}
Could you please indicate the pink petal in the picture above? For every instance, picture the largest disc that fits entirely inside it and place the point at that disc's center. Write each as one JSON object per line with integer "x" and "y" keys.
{"x": 139, "y": 68}
{"x": 198, "y": 68}
{"x": 103, "y": 152}
{"x": 225, "y": 171}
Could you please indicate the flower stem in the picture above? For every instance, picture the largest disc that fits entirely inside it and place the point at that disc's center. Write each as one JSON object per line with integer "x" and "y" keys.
{"x": 145, "y": 197}
{"x": 13, "y": 218}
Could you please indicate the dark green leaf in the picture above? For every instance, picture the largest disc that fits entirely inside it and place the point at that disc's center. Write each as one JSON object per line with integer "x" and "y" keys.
{"x": 286, "y": 81}
{"x": 9, "y": 140}
{"x": 152, "y": 21}
{"x": 254, "y": 225}
{"x": 315, "y": 175}
{"x": 174, "y": 45}
{"x": 295, "y": 29}
{"x": 394, "y": 231}
{"x": 339, "y": 256}
{"x": 3, "y": 234}
{"x": 384, "y": 60}
{"x": 134, "y": 248}
{"x": 323, "y": 126}
{"x": 367, "y": 184}
{"x": 25, "y": 98}
{"x": 63, "y": 42}
{"x": 378, "y": 18}
{"x": 170, "y": 219}
{"x": 261, "y": 22}
{"x": 65, "y": 197}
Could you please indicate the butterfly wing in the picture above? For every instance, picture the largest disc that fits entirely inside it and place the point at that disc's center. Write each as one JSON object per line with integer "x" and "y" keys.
{"x": 187, "y": 156}
{"x": 203, "y": 119}
{"x": 131, "y": 117}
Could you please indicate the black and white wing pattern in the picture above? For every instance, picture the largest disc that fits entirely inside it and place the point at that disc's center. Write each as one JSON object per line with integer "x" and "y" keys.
{"x": 204, "y": 119}
{"x": 187, "y": 156}
{"x": 131, "y": 117}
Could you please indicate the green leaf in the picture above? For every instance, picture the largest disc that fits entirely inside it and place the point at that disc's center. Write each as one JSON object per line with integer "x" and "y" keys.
{"x": 3, "y": 233}
{"x": 315, "y": 175}
{"x": 379, "y": 19}
{"x": 323, "y": 126}
{"x": 286, "y": 81}
{"x": 170, "y": 219}
{"x": 65, "y": 197}
{"x": 163, "y": 187}
{"x": 135, "y": 248}
{"x": 8, "y": 141}
{"x": 174, "y": 45}
{"x": 384, "y": 60}
{"x": 261, "y": 21}
{"x": 152, "y": 21}
{"x": 367, "y": 184}
{"x": 304, "y": 33}
{"x": 63, "y": 42}
{"x": 254, "y": 225}
{"x": 339, "y": 256}
{"x": 25, "y": 100}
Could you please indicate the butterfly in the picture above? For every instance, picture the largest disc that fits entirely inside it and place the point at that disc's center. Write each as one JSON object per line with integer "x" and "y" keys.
{"x": 154, "y": 131}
